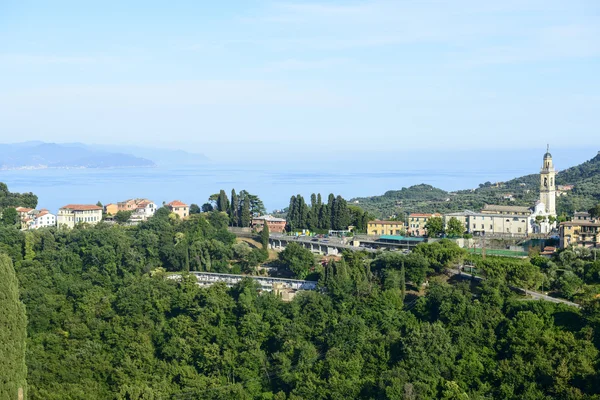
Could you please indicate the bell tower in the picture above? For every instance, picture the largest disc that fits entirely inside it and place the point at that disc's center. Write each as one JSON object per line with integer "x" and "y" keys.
{"x": 547, "y": 184}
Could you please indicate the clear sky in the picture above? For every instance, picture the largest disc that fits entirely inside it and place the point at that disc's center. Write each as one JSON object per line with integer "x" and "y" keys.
{"x": 357, "y": 75}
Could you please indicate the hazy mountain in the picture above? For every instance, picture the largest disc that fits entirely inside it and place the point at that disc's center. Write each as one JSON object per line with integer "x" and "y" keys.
{"x": 160, "y": 156}
{"x": 64, "y": 155}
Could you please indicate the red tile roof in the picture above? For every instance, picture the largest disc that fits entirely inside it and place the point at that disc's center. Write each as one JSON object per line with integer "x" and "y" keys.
{"x": 81, "y": 207}
{"x": 177, "y": 203}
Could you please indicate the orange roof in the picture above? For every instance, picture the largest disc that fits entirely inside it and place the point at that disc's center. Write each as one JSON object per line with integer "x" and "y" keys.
{"x": 143, "y": 204}
{"x": 177, "y": 203}
{"x": 23, "y": 209}
{"x": 81, "y": 207}
{"x": 42, "y": 213}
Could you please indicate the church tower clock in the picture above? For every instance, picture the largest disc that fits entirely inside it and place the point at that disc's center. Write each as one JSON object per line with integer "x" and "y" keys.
{"x": 547, "y": 184}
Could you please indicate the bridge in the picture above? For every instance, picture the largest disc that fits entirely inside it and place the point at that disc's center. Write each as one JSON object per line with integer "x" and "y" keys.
{"x": 335, "y": 246}
{"x": 266, "y": 283}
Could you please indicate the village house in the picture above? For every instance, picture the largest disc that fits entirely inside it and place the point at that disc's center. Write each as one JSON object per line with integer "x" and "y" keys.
{"x": 417, "y": 222}
{"x": 179, "y": 208}
{"x": 73, "y": 214}
{"x": 381, "y": 227}
{"x": 41, "y": 219}
{"x": 276, "y": 225}
{"x": 111, "y": 209}
{"x": 580, "y": 233}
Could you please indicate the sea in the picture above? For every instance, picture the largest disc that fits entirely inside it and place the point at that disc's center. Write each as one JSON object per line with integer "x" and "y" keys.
{"x": 356, "y": 175}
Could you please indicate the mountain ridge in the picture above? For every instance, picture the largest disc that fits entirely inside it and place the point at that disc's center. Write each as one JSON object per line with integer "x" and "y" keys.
{"x": 524, "y": 190}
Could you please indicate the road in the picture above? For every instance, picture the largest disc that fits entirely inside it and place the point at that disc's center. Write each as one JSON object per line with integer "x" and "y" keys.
{"x": 534, "y": 295}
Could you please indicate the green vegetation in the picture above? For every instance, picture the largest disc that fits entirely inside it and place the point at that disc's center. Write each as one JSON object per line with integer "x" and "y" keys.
{"x": 454, "y": 228}
{"x": 264, "y": 236}
{"x": 106, "y": 322}
{"x": 8, "y": 199}
{"x": 435, "y": 226}
{"x": 13, "y": 330}
{"x": 10, "y": 217}
{"x": 123, "y": 216}
{"x": 525, "y": 190}
{"x": 319, "y": 216}
{"x": 241, "y": 208}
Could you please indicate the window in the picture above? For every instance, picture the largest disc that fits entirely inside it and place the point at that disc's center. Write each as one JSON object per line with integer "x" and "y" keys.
{"x": 491, "y": 227}
{"x": 519, "y": 230}
{"x": 482, "y": 226}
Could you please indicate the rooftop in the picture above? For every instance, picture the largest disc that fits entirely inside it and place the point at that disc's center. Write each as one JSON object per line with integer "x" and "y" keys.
{"x": 177, "y": 203}
{"x": 400, "y": 238}
{"x": 500, "y": 208}
{"x": 269, "y": 218}
{"x": 382, "y": 222}
{"x": 81, "y": 207}
{"x": 425, "y": 215}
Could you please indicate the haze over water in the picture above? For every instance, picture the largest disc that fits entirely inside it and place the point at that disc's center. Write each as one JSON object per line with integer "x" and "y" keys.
{"x": 351, "y": 175}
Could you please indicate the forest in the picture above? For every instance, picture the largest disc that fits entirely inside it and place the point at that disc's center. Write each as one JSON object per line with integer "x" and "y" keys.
{"x": 319, "y": 216}
{"x": 105, "y": 321}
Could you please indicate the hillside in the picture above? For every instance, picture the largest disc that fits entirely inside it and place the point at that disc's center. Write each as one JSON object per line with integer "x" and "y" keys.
{"x": 40, "y": 155}
{"x": 525, "y": 191}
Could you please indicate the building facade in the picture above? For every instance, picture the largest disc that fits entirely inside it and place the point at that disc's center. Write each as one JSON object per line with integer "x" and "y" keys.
{"x": 381, "y": 228}
{"x": 111, "y": 209}
{"x": 579, "y": 233}
{"x": 276, "y": 225}
{"x": 144, "y": 210}
{"x": 487, "y": 223}
{"x": 417, "y": 222}
{"x": 43, "y": 219}
{"x": 179, "y": 208}
{"x": 73, "y": 214}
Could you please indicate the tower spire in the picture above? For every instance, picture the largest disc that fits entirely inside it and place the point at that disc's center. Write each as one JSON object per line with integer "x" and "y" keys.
{"x": 547, "y": 148}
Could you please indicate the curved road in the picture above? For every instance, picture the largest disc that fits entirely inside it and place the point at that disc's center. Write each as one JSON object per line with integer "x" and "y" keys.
{"x": 534, "y": 295}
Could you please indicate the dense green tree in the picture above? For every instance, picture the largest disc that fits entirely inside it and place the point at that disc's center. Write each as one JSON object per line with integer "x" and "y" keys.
{"x": 13, "y": 323}
{"x": 297, "y": 259}
{"x": 245, "y": 215}
{"x": 194, "y": 209}
{"x": 207, "y": 207}
{"x": 222, "y": 202}
{"x": 8, "y": 199}
{"x": 434, "y": 226}
{"x": 264, "y": 237}
{"x": 454, "y": 228}
{"x": 123, "y": 216}
{"x": 234, "y": 210}
{"x": 10, "y": 217}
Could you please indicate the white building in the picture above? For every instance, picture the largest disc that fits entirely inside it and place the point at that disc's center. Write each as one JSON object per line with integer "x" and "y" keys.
{"x": 41, "y": 219}
{"x": 145, "y": 209}
{"x": 73, "y": 214}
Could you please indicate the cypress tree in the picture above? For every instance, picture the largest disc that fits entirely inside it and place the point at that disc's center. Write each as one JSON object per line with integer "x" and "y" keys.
{"x": 264, "y": 236}
{"x": 245, "y": 217}
{"x": 291, "y": 223}
{"x": 330, "y": 211}
{"x": 234, "y": 210}
{"x": 222, "y": 202}
{"x": 13, "y": 331}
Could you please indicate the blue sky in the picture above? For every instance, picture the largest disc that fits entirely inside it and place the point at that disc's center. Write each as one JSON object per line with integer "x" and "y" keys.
{"x": 346, "y": 75}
